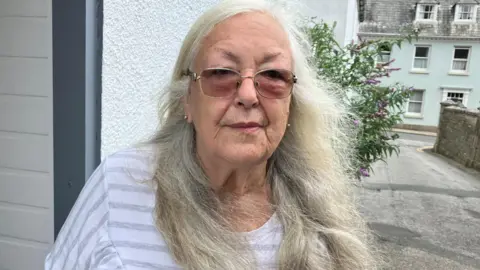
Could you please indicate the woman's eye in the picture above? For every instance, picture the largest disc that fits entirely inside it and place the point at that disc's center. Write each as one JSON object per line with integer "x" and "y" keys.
{"x": 274, "y": 74}
{"x": 221, "y": 72}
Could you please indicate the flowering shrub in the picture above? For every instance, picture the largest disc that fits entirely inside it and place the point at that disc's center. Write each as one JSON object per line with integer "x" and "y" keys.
{"x": 375, "y": 108}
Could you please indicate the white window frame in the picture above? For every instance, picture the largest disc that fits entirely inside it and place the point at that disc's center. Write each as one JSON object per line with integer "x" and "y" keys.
{"x": 378, "y": 63}
{"x": 465, "y": 93}
{"x": 458, "y": 71}
{"x": 434, "y": 12}
{"x": 389, "y": 53}
{"x": 428, "y": 57}
{"x": 415, "y": 114}
{"x": 474, "y": 13}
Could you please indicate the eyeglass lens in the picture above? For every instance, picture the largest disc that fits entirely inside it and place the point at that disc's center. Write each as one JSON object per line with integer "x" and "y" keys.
{"x": 272, "y": 83}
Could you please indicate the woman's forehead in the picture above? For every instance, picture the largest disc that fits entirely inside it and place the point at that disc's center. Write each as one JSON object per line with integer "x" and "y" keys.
{"x": 248, "y": 34}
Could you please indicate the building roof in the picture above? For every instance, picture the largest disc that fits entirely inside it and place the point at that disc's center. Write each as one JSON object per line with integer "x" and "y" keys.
{"x": 390, "y": 17}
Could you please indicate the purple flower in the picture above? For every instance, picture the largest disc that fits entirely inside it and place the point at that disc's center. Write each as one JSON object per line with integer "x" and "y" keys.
{"x": 372, "y": 81}
{"x": 364, "y": 172}
{"x": 356, "y": 122}
{"x": 389, "y": 62}
{"x": 382, "y": 104}
{"x": 411, "y": 89}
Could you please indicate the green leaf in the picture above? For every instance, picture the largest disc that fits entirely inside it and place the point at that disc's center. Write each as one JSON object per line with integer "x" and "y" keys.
{"x": 350, "y": 67}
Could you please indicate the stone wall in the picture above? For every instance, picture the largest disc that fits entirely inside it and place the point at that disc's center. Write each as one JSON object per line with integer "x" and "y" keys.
{"x": 458, "y": 135}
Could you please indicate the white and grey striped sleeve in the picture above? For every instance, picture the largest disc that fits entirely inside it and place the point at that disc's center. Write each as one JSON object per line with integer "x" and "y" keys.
{"x": 83, "y": 242}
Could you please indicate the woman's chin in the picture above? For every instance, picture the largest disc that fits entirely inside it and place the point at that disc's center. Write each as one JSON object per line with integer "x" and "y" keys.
{"x": 245, "y": 154}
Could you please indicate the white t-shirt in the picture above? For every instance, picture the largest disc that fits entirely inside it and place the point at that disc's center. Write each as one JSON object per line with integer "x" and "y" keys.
{"x": 111, "y": 224}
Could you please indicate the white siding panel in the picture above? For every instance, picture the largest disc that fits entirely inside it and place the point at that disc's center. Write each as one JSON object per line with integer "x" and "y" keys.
{"x": 24, "y": 37}
{"x": 16, "y": 255}
{"x": 25, "y": 76}
{"x": 26, "y": 188}
{"x": 25, "y": 223}
{"x": 25, "y": 151}
{"x": 25, "y": 114}
{"x": 23, "y": 8}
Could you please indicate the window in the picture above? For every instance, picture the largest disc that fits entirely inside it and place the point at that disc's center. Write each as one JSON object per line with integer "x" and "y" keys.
{"x": 384, "y": 54}
{"x": 420, "y": 59}
{"x": 426, "y": 12}
{"x": 465, "y": 13}
{"x": 361, "y": 10}
{"x": 383, "y": 57}
{"x": 415, "y": 103}
{"x": 460, "y": 59}
{"x": 456, "y": 95}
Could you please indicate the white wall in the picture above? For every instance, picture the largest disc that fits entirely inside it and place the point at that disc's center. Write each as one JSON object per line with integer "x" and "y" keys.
{"x": 340, "y": 11}
{"x": 141, "y": 42}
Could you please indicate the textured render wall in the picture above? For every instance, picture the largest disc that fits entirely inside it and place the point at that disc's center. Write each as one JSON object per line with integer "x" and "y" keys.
{"x": 141, "y": 41}
{"x": 459, "y": 136}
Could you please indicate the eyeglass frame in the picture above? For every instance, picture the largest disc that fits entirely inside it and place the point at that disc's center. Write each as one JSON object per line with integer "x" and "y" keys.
{"x": 196, "y": 77}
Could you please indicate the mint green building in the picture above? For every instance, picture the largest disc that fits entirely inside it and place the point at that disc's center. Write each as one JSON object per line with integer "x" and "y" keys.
{"x": 443, "y": 64}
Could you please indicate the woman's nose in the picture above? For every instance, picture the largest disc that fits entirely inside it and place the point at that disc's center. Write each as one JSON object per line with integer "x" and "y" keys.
{"x": 246, "y": 93}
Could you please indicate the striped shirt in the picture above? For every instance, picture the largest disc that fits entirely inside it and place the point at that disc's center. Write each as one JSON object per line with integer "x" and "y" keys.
{"x": 111, "y": 225}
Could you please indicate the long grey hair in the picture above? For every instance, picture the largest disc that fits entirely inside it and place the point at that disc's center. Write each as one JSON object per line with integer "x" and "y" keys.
{"x": 307, "y": 173}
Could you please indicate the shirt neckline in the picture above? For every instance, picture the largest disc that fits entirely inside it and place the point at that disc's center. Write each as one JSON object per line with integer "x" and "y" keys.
{"x": 266, "y": 226}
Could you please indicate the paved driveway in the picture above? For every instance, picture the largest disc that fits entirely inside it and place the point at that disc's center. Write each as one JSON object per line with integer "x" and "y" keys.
{"x": 424, "y": 209}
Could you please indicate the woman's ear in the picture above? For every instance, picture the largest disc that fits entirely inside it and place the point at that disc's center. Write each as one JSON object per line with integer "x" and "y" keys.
{"x": 186, "y": 107}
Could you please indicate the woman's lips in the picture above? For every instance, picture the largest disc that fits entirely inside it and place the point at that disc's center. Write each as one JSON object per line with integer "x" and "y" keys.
{"x": 248, "y": 127}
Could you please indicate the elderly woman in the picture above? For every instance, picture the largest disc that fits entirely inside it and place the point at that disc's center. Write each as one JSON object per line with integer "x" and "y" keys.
{"x": 247, "y": 171}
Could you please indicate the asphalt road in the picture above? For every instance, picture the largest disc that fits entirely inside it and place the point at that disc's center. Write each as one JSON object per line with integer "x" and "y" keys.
{"x": 423, "y": 209}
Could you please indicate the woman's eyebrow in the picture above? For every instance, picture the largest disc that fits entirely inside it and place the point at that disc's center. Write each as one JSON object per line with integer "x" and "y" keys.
{"x": 268, "y": 57}
{"x": 229, "y": 55}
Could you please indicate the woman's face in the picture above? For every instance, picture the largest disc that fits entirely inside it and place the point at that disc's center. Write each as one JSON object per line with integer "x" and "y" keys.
{"x": 244, "y": 128}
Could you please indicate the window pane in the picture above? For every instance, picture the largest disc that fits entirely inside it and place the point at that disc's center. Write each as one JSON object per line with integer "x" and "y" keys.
{"x": 420, "y": 63}
{"x": 465, "y": 16}
{"x": 415, "y": 102}
{"x": 426, "y": 12}
{"x": 385, "y": 48}
{"x": 414, "y": 107}
{"x": 426, "y": 15}
{"x": 465, "y": 9}
{"x": 459, "y": 65}
{"x": 417, "y": 96}
{"x": 457, "y": 97}
{"x": 428, "y": 8}
{"x": 454, "y": 95}
{"x": 383, "y": 57}
{"x": 421, "y": 52}
{"x": 461, "y": 53}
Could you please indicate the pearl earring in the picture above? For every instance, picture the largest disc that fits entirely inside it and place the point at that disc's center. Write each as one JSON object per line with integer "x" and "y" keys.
{"x": 184, "y": 117}
{"x": 288, "y": 125}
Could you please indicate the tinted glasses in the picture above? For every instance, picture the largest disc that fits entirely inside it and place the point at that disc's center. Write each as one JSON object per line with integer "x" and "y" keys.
{"x": 224, "y": 82}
